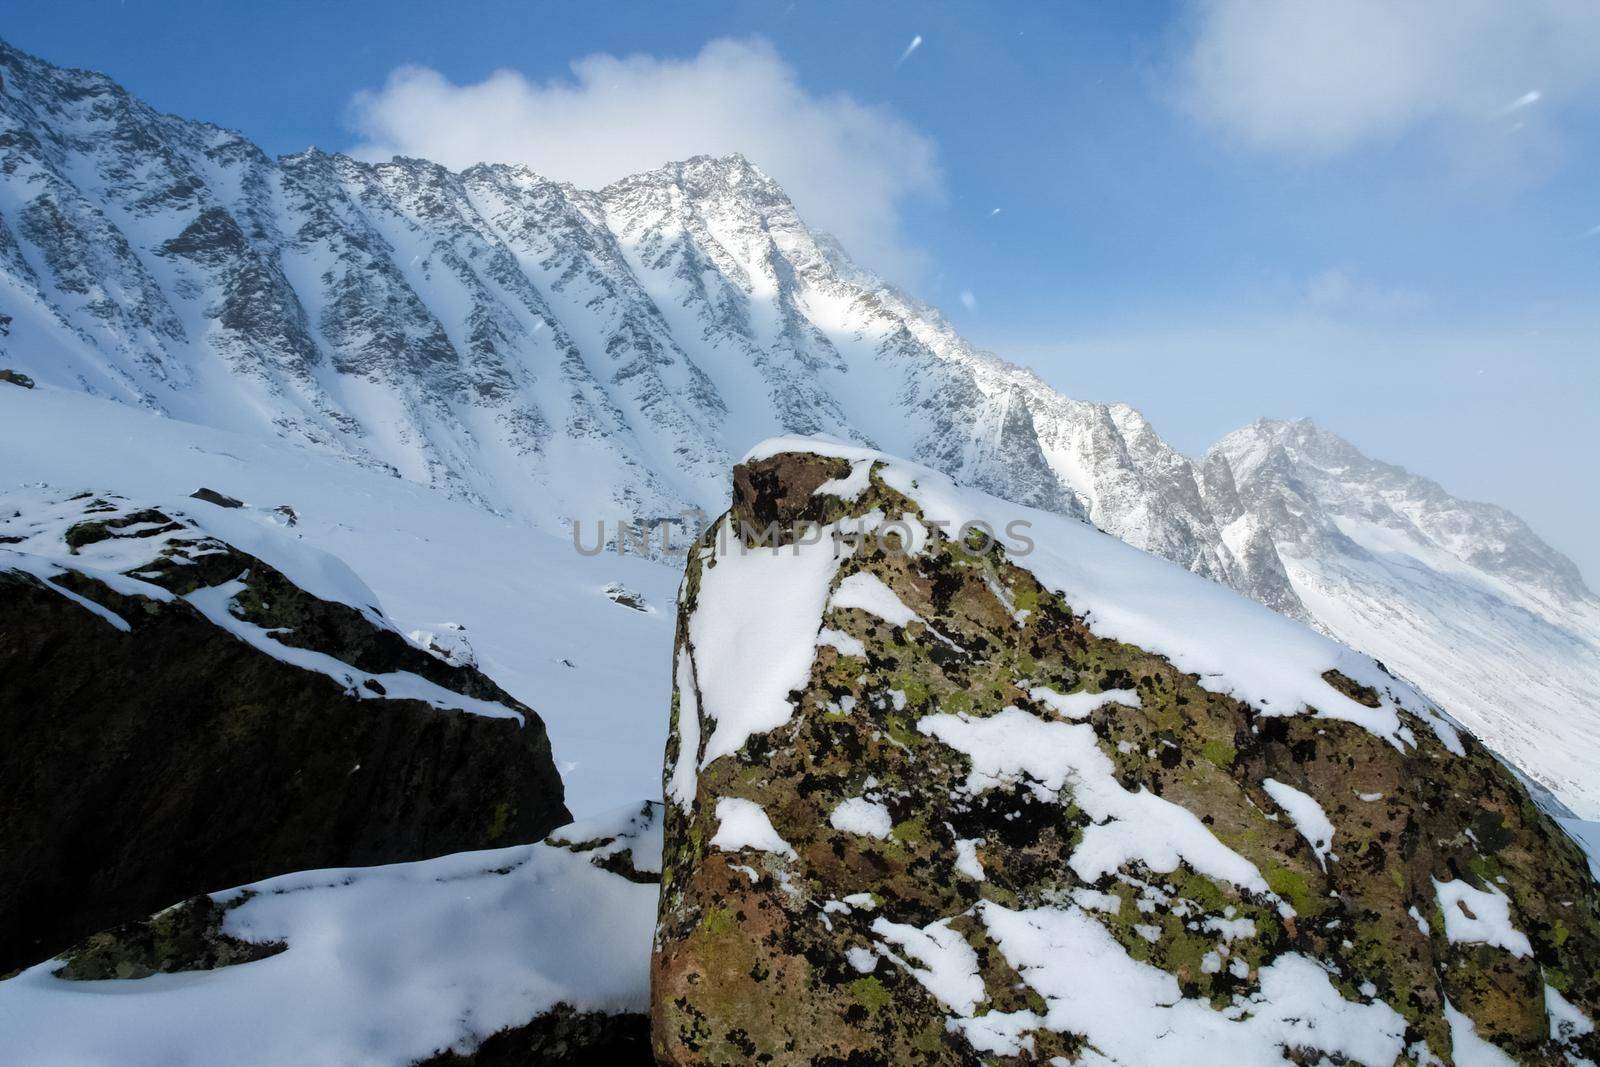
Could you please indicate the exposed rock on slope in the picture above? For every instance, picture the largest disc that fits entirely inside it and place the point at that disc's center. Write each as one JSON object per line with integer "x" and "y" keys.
{"x": 537, "y": 954}
{"x": 188, "y": 705}
{"x": 1063, "y": 800}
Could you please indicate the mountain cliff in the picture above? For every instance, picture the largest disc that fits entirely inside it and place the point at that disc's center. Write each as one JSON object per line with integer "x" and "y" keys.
{"x": 555, "y": 354}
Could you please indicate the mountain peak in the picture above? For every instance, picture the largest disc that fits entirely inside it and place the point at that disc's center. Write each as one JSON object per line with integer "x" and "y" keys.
{"x": 706, "y": 174}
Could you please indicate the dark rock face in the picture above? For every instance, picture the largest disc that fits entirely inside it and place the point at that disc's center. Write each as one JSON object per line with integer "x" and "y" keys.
{"x": 981, "y": 810}
{"x": 623, "y": 596}
{"x": 15, "y": 378}
{"x": 562, "y": 1037}
{"x": 211, "y": 496}
{"x": 145, "y": 765}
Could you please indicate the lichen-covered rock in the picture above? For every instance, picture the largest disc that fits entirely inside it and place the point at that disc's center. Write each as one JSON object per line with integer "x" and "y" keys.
{"x": 181, "y": 714}
{"x": 1037, "y": 797}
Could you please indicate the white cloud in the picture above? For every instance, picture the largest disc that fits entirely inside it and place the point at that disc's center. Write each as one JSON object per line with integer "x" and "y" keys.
{"x": 1340, "y": 292}
{"x": 849, "y": 167}
{"x": 1319, "y": 77}
{"x": 1527, "y": 99}
{"x": 969, "y": 301}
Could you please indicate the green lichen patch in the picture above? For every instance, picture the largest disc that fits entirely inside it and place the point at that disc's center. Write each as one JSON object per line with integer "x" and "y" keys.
{"x": 185, "y": 937}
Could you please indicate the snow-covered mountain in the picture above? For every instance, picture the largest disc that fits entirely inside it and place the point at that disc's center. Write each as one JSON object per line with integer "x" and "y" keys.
{"x": 553, "y": 354}
{"x": 1462, "y": 597}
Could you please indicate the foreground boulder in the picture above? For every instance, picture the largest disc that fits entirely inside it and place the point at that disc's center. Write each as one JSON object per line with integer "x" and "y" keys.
{"x": 1038, "y": 797}
{"x": 189, "y": 703}
{"x": 535, "y": 954}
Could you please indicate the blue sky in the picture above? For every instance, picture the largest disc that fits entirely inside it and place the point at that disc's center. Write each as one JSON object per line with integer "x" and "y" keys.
{"x": 1390, "y": 224}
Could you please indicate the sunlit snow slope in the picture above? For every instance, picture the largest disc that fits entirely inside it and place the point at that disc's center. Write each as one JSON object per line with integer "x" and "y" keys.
{"x": 549, "y": 354}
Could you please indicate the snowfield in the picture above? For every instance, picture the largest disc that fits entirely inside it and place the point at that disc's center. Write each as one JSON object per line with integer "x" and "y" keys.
{"x": 384, "y": 965}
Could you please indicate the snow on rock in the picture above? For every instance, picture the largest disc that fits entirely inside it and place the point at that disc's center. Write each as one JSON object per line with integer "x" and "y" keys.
{"x": 840, "y": 642}
{"x": 1080, "y": 705}
{"x": 125, "y": 544}
{"x": 1469, "y": 1049}
{"x": 1308, "y": 816}
{"x": 620, "y": 594}
{"x": 741, "y": 824}
{"x": 215, "y": 603}
{"x": 867, "y": 593}
{"x": 1479, "y": 916}
{"x": 760, "y": 610}
{"x": 940, "y": 959}
{"x": 967, "y": 860}
{"x": 858, "y": 815}
{"x": 864, "y": 960}
{"x": 448, "y": 641}
{"x": 1135, "y": 1013}
{"x": 851, "y": 486}
{"x": 681, "y": 781}
{"x": 1236, "y": 646}
{"x": 633, "y": 831}
{"x": 380, "y": 966}
{"x": 1567, "y": 1023}
{"x": 1014, "y": 746}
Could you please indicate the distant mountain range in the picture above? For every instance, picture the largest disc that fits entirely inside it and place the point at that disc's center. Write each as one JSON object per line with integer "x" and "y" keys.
{"x": 550, "y": 354}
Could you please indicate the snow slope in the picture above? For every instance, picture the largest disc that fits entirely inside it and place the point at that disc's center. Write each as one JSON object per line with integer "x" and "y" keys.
{"x": 383, "y": 966}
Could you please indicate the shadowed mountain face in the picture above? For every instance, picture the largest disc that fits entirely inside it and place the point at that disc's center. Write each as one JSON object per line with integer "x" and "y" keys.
{"x": 554, "y": 354}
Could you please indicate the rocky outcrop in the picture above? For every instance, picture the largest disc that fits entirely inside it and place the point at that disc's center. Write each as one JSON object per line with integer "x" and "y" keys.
{"x": 562, "y": 1037}
{"x": 534, "y": 954}
{"x": 942, "y": 800}
{"x": 182, "y": 715}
